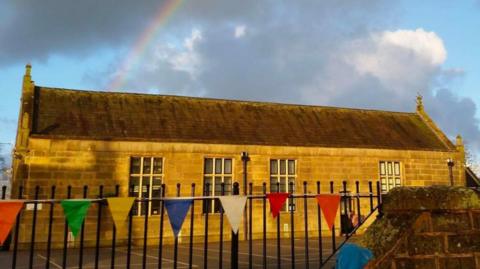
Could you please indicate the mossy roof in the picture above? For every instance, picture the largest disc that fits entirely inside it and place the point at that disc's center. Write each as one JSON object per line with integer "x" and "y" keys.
{"x": 74, "y": 114}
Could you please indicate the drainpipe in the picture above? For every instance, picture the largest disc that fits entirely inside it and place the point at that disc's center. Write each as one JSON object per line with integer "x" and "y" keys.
{"x": 245, "y": 159}
{"x": 450, "y": 164}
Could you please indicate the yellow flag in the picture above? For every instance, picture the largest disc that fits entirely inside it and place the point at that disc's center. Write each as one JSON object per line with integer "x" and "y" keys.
{"x": 119, "y": 208}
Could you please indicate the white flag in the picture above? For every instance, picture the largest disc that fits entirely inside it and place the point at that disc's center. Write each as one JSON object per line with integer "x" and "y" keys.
{"x": 233, "y": 207}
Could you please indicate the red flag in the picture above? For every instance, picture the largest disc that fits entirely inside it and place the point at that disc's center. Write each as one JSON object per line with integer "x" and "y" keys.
{"x": 329, "y": 205}
{"x": 8, "y": 214}
{"x": 277, "y": 200}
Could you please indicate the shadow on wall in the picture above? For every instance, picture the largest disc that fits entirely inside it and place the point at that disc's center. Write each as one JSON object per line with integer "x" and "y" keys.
{"x": 69, "y": 166}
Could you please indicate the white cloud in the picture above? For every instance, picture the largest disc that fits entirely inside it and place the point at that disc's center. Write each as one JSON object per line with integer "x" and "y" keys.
{"x": 383, "y": 69}
{"x": 240, "y": 31}
{"x": 393, "y": 56}
{"x": 424, "y": 44}
{"x": 186, "y": 58}
{"x": 194, "y": 37}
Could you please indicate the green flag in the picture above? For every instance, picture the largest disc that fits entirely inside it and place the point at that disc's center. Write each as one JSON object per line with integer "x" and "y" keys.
{"x": 75, "y": 211}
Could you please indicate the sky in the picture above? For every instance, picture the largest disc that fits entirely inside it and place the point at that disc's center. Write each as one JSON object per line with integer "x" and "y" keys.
{"x": 350, "y": 53}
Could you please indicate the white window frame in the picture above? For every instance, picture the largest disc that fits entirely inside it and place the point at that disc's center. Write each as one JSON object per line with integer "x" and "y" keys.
{"x": 287, "y": 175}
{"x": 214, "y": 175}
{"x": 141, "y": 175}
{"x": 390, "y": 173}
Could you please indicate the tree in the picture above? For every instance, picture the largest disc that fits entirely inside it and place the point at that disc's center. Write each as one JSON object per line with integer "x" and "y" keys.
{"x": 2, "y": 159}
{"x": 471, "y": 160}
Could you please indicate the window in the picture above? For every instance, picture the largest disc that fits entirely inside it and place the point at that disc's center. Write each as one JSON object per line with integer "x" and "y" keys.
{"x": 390, "y": 175}
{"x": 216, "y": 171}
{"x": 146, "y": 177}
{"x": 282, "y": 173}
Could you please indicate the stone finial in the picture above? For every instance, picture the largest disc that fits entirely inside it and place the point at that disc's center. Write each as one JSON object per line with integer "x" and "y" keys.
{"x": 459, "y": 140}
{"x": 419, "y": 102}
{"x": 27, "y": 78}
{"x": 28, "y": 68}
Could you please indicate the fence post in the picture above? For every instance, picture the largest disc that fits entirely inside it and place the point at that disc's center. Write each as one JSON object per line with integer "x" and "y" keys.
{"x": 175, "y": 248}
{"x": 205, "y": 239}
{"x": 379, "y": 200}
{"x": 162, "y": 214}
{"x": 319, "y": 221}
{"x": 4, "y": 192}
{"x": 264, "y": 211}
{"x": 50, "y": 225}
{"x": 15, "y": 239}
{"x": 146, "y": 205}
{"x": 65, "y": 232}
{"x": 99, "y": 223}
{"x": 114, "y": 234}
{"x": 292, "y": 226}
{"x": 82, "y": 233}
{"x": 345, "y": 220}
{"x": 334, "y": 243}
{"x": 220, "y": 251}
{"x": 34, "y": 225}
{"x": 305, "y": 217}
{"x": 129, "y": 240}
{"x": 359, "y": 214}
{"x": 192, "y": 215}
{"x": 250, "y": 232}
{"x": 234, "y": 252}
{"x": 370, "y": 191}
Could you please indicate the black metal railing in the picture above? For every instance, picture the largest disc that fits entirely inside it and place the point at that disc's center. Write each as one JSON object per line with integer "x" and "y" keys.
{"x": 100, "y": 244}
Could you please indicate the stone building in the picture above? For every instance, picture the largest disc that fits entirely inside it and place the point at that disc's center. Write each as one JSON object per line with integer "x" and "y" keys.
{"x": 71, "y": 137}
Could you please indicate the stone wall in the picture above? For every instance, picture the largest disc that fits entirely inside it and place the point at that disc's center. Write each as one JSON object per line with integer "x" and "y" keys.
{"x": 79, "y": 162}
{"x": 432, "y": 228}
{"x": 93, "y": 163}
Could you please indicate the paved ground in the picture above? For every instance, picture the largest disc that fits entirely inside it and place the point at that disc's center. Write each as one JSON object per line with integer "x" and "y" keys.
{"x": 183, "y": 256}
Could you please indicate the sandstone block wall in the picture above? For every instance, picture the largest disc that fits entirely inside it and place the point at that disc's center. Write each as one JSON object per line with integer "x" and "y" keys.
{"x": 94, "y": 163}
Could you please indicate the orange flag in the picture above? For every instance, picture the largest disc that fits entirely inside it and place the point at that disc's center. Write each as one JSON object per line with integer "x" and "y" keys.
{"x": 329, "y": 204}
{"x": 8, "y": 214}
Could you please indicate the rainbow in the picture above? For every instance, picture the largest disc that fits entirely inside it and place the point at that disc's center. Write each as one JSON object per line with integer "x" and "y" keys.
{"x": 138, "y": 50}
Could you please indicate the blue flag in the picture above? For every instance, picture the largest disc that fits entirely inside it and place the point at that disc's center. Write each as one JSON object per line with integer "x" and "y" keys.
{"x": 177, "y": 210}
{"x": 352, "y": 256}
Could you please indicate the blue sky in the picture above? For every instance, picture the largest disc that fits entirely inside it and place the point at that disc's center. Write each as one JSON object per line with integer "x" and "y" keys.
{"x": 458, "y": 24}
{"x": 381, "y": 52}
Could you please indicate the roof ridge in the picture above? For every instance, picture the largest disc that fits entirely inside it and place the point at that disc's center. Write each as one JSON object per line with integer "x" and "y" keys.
{"x": 212, "y": 99}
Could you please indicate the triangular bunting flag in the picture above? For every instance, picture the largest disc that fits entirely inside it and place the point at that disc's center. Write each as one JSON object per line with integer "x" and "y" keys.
{"x": 233, "y": 207}
{"x": 277, "y": 200}
{"x": 119, "y": 208}
{"x": 329, "y": 205}
{"x": 75, "y": 211}
{"x": 177, "y": 210}
{"x": 8, "y": 214}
